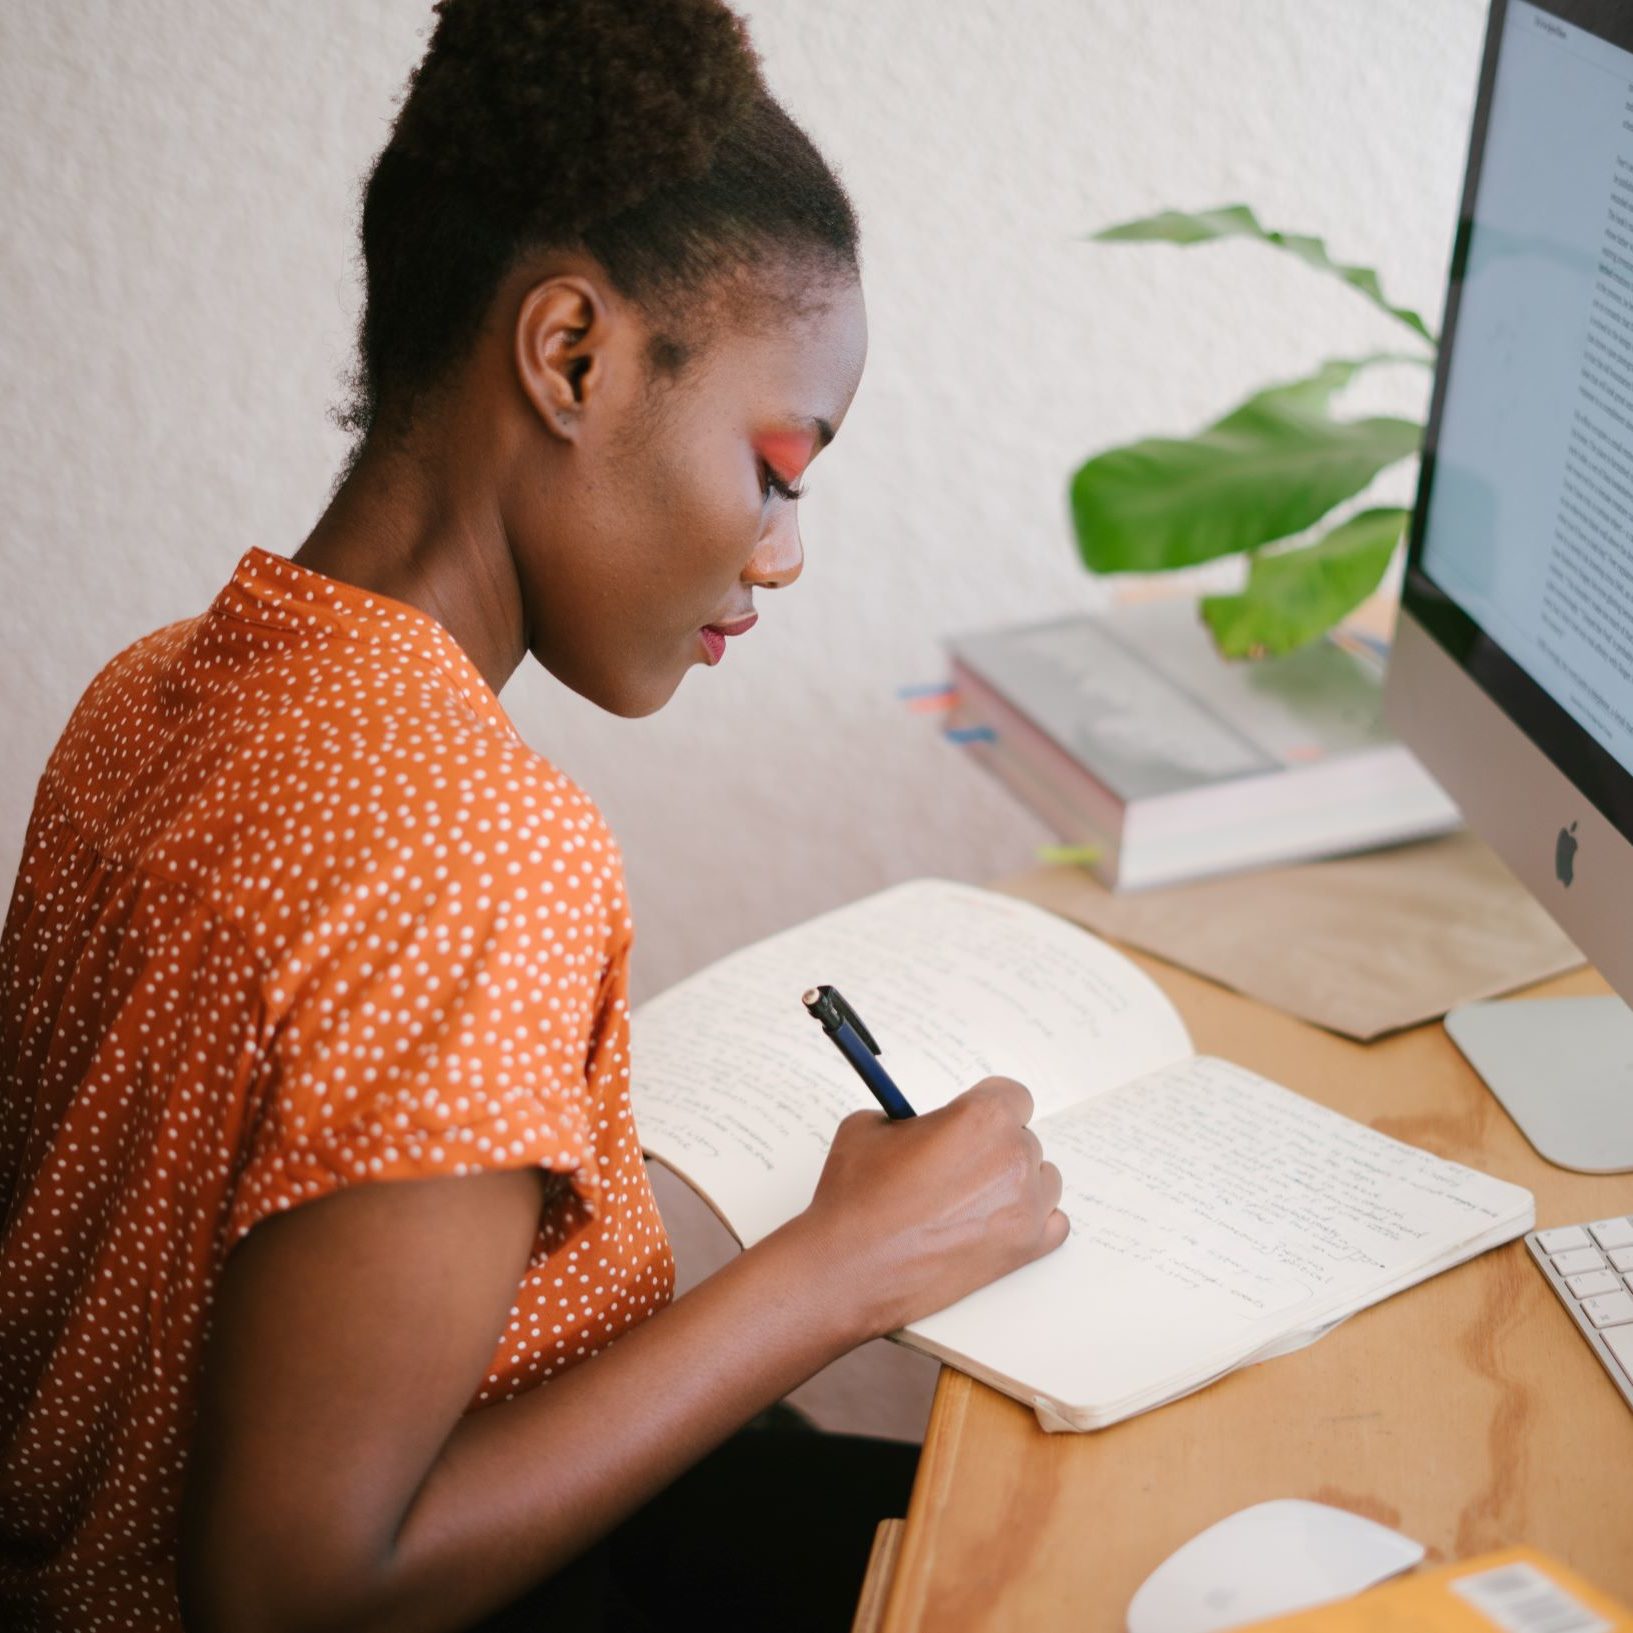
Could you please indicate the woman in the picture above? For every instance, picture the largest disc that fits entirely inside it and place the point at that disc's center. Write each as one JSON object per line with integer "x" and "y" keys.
{"x": 300, "y": 915}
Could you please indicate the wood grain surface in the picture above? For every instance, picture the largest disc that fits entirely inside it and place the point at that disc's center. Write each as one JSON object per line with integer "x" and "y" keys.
{"x": 1466, "y": 1412}
{"x": 881, "y": 1571}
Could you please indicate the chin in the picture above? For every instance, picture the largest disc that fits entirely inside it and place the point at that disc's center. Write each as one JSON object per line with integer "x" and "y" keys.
{"x": 637, "y": 705}
{"x": 621, "y": 689}
{"x": 627, "y": 696}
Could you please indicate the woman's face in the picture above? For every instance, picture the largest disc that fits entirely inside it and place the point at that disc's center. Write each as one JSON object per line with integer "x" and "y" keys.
{"x": 662, "y": 504}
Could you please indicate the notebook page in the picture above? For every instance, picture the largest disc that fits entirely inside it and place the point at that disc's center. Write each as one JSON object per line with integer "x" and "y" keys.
{"x": 739, "y": 1091}
{"x": 1211, "y": 1212}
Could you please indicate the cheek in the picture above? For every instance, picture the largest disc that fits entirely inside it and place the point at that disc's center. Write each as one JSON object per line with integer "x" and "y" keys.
{"x": 661, "y": 542}
{"x": 706, "y": 533}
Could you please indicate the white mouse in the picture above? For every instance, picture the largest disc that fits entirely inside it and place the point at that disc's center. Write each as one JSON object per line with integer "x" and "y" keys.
{"x": 1268, "y": 1560}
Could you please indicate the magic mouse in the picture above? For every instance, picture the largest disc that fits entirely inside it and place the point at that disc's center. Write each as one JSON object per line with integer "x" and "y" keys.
{"x": 1268, "y": 1560}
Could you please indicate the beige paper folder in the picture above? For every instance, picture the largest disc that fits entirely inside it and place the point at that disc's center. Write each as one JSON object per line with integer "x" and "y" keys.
{"x": 1362, "y": 945}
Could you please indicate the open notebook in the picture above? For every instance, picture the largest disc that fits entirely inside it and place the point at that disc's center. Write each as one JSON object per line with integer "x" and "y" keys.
{"x": 1217, "y": 1219}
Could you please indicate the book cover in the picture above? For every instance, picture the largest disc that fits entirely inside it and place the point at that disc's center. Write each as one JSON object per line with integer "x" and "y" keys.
{"x": 1128, "y": 731}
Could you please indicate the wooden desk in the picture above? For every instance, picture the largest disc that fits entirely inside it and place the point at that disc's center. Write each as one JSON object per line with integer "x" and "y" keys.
{"x": 1466, "y": 1412}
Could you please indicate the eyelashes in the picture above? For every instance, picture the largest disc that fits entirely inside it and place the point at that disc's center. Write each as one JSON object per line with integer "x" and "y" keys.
{"x": 771, "y": 483}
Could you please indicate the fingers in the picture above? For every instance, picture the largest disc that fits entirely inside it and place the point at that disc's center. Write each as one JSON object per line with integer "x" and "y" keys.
{"x": 858, "y": 1120}
{"x": 1015, "y": 1097}
{"x": 1053, "y": 1185}
{"x": 1056, "y": 1225}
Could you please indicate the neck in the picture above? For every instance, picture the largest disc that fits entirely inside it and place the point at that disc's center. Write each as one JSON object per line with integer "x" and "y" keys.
{"x": 407, "y": 525}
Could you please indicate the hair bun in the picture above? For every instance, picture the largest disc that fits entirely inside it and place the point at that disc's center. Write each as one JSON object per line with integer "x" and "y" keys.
{"x": 602, "y": 100}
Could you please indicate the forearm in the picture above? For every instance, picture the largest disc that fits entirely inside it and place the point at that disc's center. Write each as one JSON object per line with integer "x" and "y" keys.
{"x": 336, "y": 1480}
{"x": 524, "y": 1486}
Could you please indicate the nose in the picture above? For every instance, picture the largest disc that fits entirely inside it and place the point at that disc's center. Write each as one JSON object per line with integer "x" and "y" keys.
{"x": 778, "y": 558}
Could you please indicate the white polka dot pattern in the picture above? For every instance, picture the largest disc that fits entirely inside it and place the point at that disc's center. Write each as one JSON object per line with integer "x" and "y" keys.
{"x": 297, "y": 909}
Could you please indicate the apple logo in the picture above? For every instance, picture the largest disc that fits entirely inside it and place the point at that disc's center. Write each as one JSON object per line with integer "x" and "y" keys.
{"x": 1565, "y": 854}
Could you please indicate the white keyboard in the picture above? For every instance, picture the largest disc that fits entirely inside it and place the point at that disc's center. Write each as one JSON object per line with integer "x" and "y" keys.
{"x": 1590, "y": 1267}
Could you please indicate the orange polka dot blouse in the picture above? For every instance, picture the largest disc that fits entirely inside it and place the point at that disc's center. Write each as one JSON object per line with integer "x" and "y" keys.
{"x": 297, "y": 909}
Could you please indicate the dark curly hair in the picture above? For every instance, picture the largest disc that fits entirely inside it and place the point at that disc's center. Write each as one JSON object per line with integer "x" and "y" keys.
{"x": 640, "y": 131}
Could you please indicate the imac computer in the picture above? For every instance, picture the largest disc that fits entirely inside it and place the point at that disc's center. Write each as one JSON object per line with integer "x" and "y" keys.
{"x": 1512, "y": 669}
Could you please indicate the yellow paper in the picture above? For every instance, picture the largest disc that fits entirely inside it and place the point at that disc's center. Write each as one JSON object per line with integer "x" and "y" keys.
{"x": 1516, "y": 1591}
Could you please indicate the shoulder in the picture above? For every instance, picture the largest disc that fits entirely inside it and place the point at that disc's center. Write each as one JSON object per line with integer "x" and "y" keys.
{"x": 380, "y": 792}
{"x": 369, "y": 748}
{"x": 118, "y": 716}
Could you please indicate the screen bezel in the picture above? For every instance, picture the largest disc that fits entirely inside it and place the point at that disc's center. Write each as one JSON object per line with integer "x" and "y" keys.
{"x": 1578, "y": 755}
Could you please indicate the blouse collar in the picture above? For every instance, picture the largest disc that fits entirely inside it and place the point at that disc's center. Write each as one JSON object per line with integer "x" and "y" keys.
{"x": 276, "y": 592}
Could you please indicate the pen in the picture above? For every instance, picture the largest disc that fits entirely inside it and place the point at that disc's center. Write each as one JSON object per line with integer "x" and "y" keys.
{"x": 853, "y": 1040}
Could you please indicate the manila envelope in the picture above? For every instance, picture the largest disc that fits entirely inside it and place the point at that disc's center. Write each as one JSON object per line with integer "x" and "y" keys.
{"x": 1361, "y": 945}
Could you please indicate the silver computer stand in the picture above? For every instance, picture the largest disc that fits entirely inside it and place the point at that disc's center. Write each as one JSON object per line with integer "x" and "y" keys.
{"x": 1563, "y": 1070}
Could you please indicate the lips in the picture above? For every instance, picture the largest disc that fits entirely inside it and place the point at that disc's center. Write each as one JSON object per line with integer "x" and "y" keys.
{"x": 714, "y": 636}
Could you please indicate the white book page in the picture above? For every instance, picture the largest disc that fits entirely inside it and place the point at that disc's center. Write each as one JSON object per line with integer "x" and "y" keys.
{"x": 739, "y": 1090}
{"x": 1211, "y": 1211}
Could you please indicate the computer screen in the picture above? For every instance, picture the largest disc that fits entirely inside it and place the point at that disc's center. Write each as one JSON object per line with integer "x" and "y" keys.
{"x": 1511, "y": 672}
{"x": 1522, "y": 552}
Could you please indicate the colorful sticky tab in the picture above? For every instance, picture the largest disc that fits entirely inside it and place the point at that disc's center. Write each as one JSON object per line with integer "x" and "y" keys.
{"x": 1073, "y": 855}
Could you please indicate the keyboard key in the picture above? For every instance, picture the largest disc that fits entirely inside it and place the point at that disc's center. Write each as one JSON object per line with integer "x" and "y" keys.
{"x": 1579, "y": 1259}
{"x": 1594, "y": 1281}
{"x": 1610, "y": 1309}
{"x": 1613, "y": 1232}
{"x": 1619, "y": 1341}
{"x": 1559, "y": 1241}
{"x": 1622, "y": 1257}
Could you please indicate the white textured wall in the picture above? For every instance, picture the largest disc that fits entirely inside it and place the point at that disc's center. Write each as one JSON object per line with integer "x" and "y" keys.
{"x": 176, "y": 307}
{"x": 176, "y": 304}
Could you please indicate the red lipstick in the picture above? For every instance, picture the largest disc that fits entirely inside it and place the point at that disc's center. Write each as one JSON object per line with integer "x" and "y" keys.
{"x": 714, "y": 636}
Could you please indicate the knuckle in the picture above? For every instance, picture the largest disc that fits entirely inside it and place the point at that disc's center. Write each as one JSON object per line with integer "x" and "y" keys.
{"x": 977, "y": 1107}
{"x": 1017, "y": 1096}
{"x": 997, "y": 1116}
{"x": 850, "y": 1130}
{"x": 996, "y": 1098}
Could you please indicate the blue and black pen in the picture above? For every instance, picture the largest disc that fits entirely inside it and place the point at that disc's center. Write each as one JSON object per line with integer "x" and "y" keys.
{"x": 853, "y": 1040}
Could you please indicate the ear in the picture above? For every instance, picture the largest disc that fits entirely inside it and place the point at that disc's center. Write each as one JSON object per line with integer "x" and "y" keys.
{"x": 561, "y": 344}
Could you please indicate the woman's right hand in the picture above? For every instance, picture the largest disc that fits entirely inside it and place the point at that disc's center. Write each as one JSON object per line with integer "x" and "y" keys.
{"x": 910, "y": 1216}
{"x": 360, "y": 1490}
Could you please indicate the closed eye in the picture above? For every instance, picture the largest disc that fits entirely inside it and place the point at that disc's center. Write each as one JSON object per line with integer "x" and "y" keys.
{"x": 773, "y": 483}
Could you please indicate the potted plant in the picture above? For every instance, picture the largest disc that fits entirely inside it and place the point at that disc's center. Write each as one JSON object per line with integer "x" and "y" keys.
{"x": 1256, "y": 481}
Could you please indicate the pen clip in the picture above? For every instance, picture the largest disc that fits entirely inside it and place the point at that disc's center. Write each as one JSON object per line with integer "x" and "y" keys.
{"x": 848, "y": 1016}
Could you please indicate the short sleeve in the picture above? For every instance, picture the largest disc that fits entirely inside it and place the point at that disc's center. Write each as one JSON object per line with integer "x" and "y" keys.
{"x": 452, "y": 1040}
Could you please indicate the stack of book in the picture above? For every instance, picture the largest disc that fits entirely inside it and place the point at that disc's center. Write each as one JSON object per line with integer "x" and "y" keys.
{"x": 1129, "y": 734}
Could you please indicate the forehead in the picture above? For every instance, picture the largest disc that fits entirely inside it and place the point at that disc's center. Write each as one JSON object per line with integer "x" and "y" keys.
{"x": 797, "y": 342}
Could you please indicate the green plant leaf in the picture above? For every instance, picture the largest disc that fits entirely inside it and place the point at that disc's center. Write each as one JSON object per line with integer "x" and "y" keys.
{"x": 1270, "y": 468}
{"x": 1239, "y": 221}
{"x": 1293, "y": 596}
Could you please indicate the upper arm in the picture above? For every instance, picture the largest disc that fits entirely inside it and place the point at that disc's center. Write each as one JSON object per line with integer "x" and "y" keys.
{"x": 348, "y": 1337}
